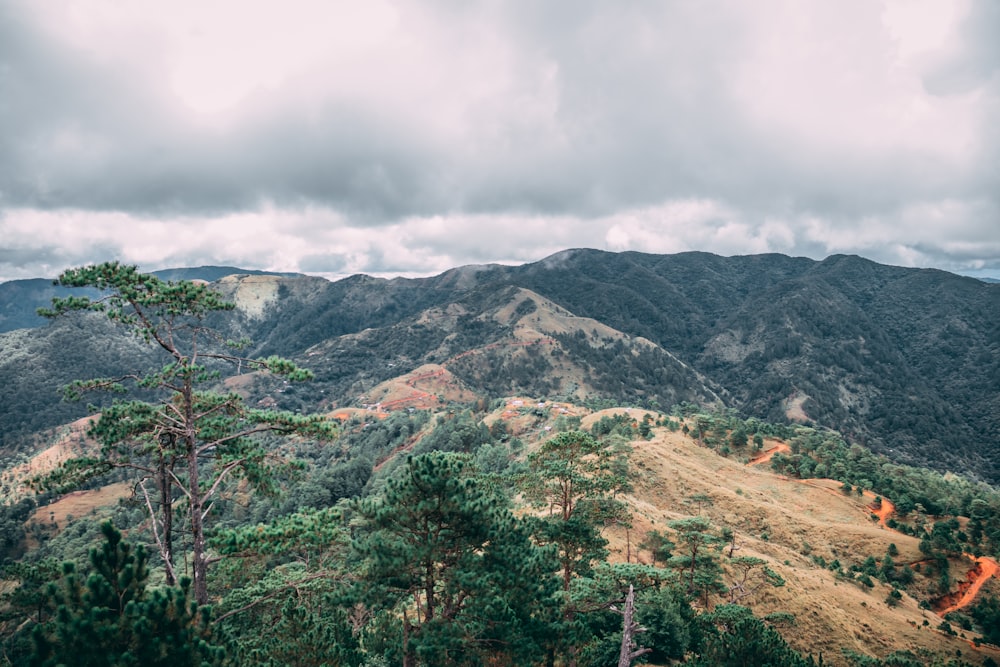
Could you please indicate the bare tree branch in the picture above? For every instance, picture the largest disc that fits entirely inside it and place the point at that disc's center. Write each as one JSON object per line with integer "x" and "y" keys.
{"x": 164, "y": 554}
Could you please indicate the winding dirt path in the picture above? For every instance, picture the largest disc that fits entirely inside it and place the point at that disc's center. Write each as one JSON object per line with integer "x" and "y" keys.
{"x": 764, "y": 457}
{"x": 984, "y": 567}
{"x": 883, "y": 511}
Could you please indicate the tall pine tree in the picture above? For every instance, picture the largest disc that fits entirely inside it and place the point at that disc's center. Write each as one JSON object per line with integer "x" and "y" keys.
{"x": 441, "y": 549}
{"x": 191, "y": 441}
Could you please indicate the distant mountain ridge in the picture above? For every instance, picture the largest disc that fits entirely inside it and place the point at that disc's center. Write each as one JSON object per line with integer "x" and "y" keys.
{"x": 905, "y": 361}
{"x": 19, "y": 299}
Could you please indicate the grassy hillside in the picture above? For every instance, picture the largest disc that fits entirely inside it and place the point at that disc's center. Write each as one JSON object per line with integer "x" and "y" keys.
{"x": 798, "y": 527}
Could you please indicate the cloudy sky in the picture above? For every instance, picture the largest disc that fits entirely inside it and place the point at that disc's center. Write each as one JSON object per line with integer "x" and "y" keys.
{"x": 396, "y": 137}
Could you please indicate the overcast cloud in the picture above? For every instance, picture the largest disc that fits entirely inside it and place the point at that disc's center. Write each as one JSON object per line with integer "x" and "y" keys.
{"x": 404, "y": 138}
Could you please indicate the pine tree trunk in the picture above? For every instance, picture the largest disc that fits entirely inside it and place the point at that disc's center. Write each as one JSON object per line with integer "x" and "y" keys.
{"x": 409, "y": 660}
{"x": 167, "y": 511}
{"x": 629, "y": 629}
{"x": 199, "y": 566}
{"x": 625, "y": 655}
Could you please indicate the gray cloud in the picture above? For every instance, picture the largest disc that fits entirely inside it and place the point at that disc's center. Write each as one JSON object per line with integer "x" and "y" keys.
{"x": 975, "y": 59}
{"x": 424, "y": 135}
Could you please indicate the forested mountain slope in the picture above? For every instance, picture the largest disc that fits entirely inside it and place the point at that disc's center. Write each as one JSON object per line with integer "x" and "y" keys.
{"x": 906, "y": 361}
{"x": 454, "y": 487}
{"x": 802, "y": 553}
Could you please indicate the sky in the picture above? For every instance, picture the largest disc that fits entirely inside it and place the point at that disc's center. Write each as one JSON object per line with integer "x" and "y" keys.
{"x": 408, "y": 137}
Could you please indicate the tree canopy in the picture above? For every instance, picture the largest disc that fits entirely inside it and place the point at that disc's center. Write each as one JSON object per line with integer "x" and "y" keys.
{"x": 192, "y": 438}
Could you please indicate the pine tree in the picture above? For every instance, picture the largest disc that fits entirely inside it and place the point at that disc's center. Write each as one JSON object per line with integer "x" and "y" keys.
{"x": 112, "y": 619}
{"x": 440, "y": 548}
{"x": 660, "y": 609}
{"x": 751, "y": 574}
{"x": 287, "y": 587}
{"x": 694, "y": 556}
{"x": 190, "y": 442}
{"x": 737, "y": 638}
{"x": 575, "y": 478}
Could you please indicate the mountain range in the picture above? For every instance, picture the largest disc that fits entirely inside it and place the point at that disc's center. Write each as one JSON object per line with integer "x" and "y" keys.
{"x": 903, "y": 361}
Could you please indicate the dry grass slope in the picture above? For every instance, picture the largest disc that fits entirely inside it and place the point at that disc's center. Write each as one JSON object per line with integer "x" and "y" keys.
{"x": 784, "y": 521}
{"x": 787, "y": 522}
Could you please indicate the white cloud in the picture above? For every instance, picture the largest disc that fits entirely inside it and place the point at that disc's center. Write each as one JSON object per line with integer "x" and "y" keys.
{"x": 411, "y": 137}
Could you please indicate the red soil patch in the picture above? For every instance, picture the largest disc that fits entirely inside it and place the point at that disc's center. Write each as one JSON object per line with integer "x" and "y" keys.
{"x": 55, "y": 516}
{"x": 422, "y": 389}
{"x": 72, "y": 443}
{"x": 883, "y": 511}
{"x": 764, "y": 457}
{"x": 980, "y": 573}
{"x": 343, "y": 414}
{"x": 983, "y": 568}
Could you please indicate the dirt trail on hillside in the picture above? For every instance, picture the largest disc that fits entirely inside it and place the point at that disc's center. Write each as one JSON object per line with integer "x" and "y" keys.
{"x": 885, "y": 509}
{"x": 984, "y": 566}
{"x": 764, "y": 457}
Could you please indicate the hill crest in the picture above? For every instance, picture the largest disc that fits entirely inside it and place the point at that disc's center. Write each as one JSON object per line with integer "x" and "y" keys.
{"x": 902, "y": 360}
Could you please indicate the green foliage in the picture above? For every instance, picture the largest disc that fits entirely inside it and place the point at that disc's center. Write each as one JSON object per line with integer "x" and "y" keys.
{"x": 189, "y": 440}
{"x": 631, "y": 374}
{"x": 12, "y": 520}
{"x": 23, "y": 607}
{"x": 461, "y": 433}
{"x": 297, "y": 633}
{"x": 894, "y": 597}
{"x": 659, "y": 545}
{"x": 571, "y": 471}
{"x": 736, "y": 638}
{"x": 671, "y": 630}
{"x": 751, "y": 575}
{"x": 575, "y": 477}
{"x": 920, "y": 347}
{"x": 439, "y": 538}
{"x": 905, "y": 659}
{"x": 289, "y": 593}
{"x": 621, "y": 424}
{"x": 374, "y": 440}
{"x": 695, "y": 557}
{"x": 986, "y": 614}
{"x": 114, "y": 619}
{"x": 285, "y": 584}
{"x": 914, "y": 491}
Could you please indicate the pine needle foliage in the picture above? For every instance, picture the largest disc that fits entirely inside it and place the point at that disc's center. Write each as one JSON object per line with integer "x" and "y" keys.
{"x": 191, "y": 441}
